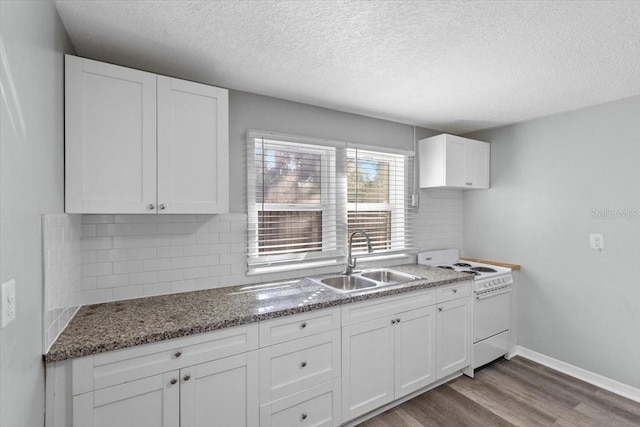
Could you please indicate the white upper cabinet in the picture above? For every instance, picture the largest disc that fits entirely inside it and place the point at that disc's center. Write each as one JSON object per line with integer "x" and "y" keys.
{"x": 449, "y": 161}
{"x": 193, "y": 147}
{"x": 137, "y": 142}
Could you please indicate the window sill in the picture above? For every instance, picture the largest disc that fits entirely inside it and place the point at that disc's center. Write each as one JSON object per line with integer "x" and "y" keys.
{"x": 362, "y": 259}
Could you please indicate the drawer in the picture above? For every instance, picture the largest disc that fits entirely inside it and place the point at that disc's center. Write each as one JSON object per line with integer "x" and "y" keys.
{"x": 293, "y": 366}
{"x": 316, "y": 407}
{"x": 120, "y": 366}
{"x": 289, "y": 328}
{"x": 387, "y": 306}
{"x": 455, "y": 291}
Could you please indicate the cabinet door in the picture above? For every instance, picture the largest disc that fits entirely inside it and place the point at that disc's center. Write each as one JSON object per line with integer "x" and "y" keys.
{"x": 110, "y": 138}
{"x": 220, "y": 393}
{"x": 367, "y": 367}
{"x": 454, "y": 336}
{"x": 193, "y": 147}
{"x": 415, "y": 350}
{"x": 148, "y": 402}
{"x": 455, "y": 162}
{"x": 477, "y": 166}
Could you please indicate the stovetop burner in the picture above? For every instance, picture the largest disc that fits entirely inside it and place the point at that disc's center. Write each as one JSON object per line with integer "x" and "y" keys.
{"x": 475, "y": 273}
{"x": 484, "y": 269}
{"x": 462, "y": 264}
{"x": 446, "y": 267}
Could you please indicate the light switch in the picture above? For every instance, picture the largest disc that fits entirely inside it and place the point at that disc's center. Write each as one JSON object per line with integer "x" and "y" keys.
{"x": 8, "y": 302}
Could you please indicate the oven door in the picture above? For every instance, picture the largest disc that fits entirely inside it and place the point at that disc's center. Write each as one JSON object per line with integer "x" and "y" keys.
{"x": 491, "y": 313}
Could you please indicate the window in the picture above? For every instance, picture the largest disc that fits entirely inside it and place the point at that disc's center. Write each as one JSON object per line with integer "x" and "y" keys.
{"x": 305, "y": 195}
{"x": 376, "y": 187}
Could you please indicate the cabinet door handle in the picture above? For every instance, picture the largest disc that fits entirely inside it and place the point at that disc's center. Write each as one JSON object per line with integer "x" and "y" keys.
{"x": 439, "y": 308}
{"x": 455, "y": 291}
{"x": 393, "y": 322}
{"x": 303, "y": 417}
{"x": 398, "y": 320}
{"x": 162, "y": 206}
{"x": 151, "y": 206}
{"x": 469, "y": 183}
{"x": 187, "y": 377}
{"x": 178, "y": 353}
{"x": 303, "y": 364}
{"x": 173, "y": 381}
{"x": 303, "y": 325}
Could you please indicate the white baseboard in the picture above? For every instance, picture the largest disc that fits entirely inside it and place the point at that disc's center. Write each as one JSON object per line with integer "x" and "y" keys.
{"x": 598, "y": 380}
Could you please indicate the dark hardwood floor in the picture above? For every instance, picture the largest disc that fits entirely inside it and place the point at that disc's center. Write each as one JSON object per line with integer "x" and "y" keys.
{"x": 518, "y": 392}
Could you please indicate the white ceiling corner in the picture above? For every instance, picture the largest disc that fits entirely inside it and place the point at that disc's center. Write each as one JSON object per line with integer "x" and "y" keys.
{"x": 454, "y": 66}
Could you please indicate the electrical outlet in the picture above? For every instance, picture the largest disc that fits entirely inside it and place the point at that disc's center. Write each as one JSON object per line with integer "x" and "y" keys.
{"x": 8, "y": 302}
{"x": 596, "y": 241}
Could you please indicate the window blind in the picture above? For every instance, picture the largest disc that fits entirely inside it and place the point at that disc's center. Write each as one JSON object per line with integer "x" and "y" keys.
{"x": 305, "y": 195}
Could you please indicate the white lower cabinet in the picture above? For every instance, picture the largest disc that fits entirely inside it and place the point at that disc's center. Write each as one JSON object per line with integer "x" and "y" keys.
{"x": 321, "y": 368}
{"x": 214, "y": 382}
{"x": 454, "y": 336}
{"x": 221, "y": 393}
{"x": 148, "y": 402}
{"x": 318, "y": 406}
{"x": 387, "y": 358}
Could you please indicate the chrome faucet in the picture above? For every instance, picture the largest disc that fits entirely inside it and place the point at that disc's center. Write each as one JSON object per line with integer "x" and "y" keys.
{"x": 351, "y": 261}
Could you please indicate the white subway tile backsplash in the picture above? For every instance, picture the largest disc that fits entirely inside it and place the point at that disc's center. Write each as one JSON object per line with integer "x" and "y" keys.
{"x": 159, "y": 254}
{"x": 112, "y": 281}
{"x": 95, "y": 243}
{"x": 121, "y": 267}
{"x": 143, "y": 278}
{"x": 63, "y": 260}
{"x": 111, "y": 255}
{"x": 183, "y": 262}
{"x": 112, "y": 230}
{"x": 170, "y": 252}
{"x": 170, "y": 275}
{"x": 195, "y": 250}
{"x": 196, "y": 273}
{"x": 97, "y": 219}
{"x": 141, "y": 253}
{"x": 157, "y": 264}
{"x": 97, "y": 269}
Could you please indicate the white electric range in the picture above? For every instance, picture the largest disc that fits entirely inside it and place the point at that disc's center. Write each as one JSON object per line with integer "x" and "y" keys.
{"x": 492, "y": 287}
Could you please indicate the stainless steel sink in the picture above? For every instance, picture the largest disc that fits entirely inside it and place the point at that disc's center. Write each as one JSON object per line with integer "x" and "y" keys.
{"x": 387, "y": 276}
{"x": 367, "y": 279}
{"x": 348, "y": 283}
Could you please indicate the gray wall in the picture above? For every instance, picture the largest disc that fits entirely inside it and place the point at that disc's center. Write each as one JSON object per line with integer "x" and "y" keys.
{"x": 575, "y": 304}
{"x": 250, "y": 111}
{"x": 31, "y": 183}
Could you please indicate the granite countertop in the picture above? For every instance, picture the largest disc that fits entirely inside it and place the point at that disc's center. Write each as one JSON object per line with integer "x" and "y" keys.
{"x": 110, "y": 326}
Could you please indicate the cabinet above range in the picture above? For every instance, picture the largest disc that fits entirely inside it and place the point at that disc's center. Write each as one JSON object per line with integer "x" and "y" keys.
{"x": 137, "y": 142}
{"x": 449, "y": 161}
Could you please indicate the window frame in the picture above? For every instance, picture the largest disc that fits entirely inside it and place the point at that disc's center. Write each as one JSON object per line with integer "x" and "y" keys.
{"x": 335, "y": 205}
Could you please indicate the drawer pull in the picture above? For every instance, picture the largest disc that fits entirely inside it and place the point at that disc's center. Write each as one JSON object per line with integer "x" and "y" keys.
{"x": 303, "y": 365}
{"x": 303, "y": 417}
{"x": 439, "y": 308}
{"x": 178, "y": 353}
{"x": 173, "y": 381}
{"x": 455, "y": 291}
{"x": 303, "y": 325}
{"x": 187, "y": 377}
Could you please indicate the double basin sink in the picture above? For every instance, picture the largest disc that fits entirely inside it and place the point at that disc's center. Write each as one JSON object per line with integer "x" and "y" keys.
{"x": 367, "y": 279}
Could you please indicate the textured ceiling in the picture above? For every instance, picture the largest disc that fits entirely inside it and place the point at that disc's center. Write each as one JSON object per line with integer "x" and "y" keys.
{"x": 454, "y": 66}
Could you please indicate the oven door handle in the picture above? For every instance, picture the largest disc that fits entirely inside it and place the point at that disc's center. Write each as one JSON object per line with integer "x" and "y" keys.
{"x": 492, "y": 294}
